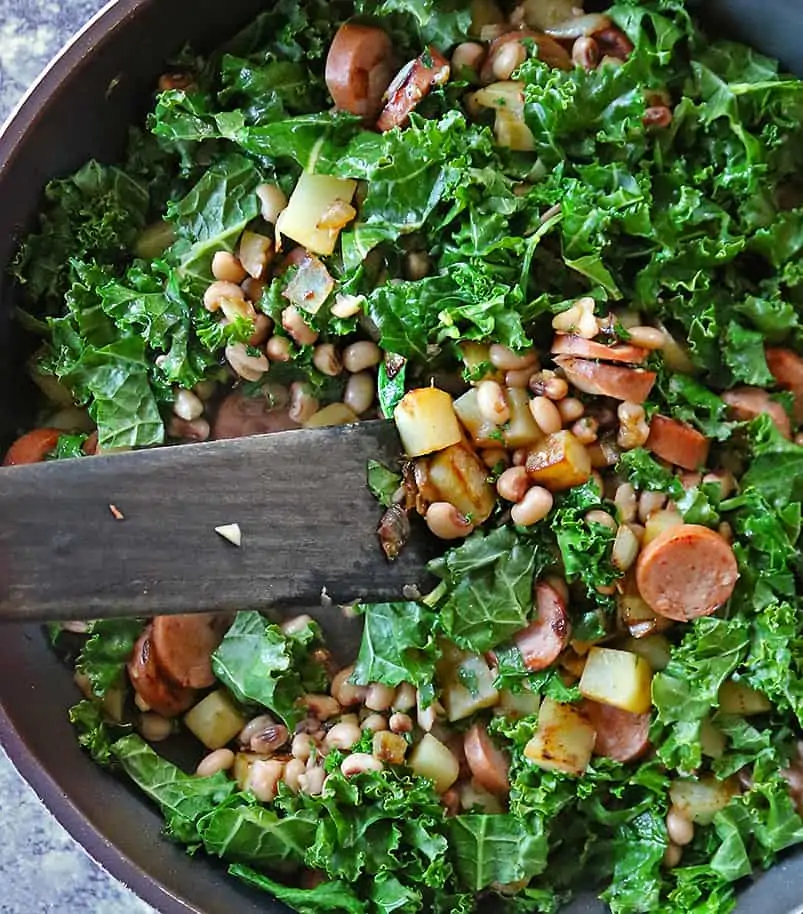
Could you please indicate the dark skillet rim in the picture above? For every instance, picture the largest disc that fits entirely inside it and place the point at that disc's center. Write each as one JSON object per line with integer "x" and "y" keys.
{"x": 34, "y": 106}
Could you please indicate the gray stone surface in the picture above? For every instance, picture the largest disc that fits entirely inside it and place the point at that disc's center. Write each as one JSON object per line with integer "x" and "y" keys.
{"x": 41, "y": 868}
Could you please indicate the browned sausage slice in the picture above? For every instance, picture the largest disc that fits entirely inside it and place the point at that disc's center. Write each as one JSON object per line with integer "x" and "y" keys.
{"x": 33, "y": 447}
{"x": 156, "y": 690}
{"x": 359, "y": 68}
{"x": 488, "y": 765}
{"x": 787, "y": 369}
{"x": 749, "y": 402}
{"x": 677, "y": 443}
{"x": 548, "y": 50}
{"x": 685, "y": 572}
{"x": 238, "y": 416}
{"x": 414, "y": 82}
{"x": 621, "y": 735}
{"x": 633, "y": 384}
{"x": 541, "y": 643}
{"x": 571, "y": 344}
{"x": 183, "y": 646}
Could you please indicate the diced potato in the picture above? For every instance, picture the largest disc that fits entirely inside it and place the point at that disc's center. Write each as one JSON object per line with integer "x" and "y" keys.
{"x": 712, "y": 739}
{"x": 507, "y": 95}
{"x": 311, "y": 201}
{"x": 637, "y": 616}
{"x": 701, "y": 799}
{"x": 521, "y": 429}
{"x": 426, "y": 421}
{"x": 482, "y": 432}
{"x": 564, "y": 739}
{"x": 113, "y": 701}
{"x": 455, "y": 677}
{"x": 431, "y": 759}
{"x": 215, "y": 720}
{"x": 473, "y": 796}
{"x": 657, "y": 523}
{"x": 617, "y": 678}
{"x": 334, "y": 414}
{"x": 739, "y": 698}
{"x": 518, "y": 704}
{"x": 511, "y": 132}
{"x": 477, "y": 359}
{"x": 655, "y": 649}
{"x": 559, "y": 462}
{"x": 389, "y": 747}
{"x": 462, "y": 479}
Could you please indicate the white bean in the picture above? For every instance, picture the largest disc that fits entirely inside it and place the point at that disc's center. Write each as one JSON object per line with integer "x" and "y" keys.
{"x": 262, "y": 328}
{"x": 342, "y": 736}
{"x": 293, "y": 771}
{"x": 646, "y": 337}
{"x": 303, "y": 746}
{"x": 273, "y": 200}
{"x": 649, "y": 503}
{"x": 492, "y": 402}
{"x": 345, "y": 692}
{"x": 513, "y": 484}
{"x": 324, "y": 707}
{"x": 506, "y": 360}
{"x": 376, "y": 723}
{"x": 679, "y": 829}
{"x": 625, "y": 548}
{"x": 155, "y": 728}
{"x": 534, "y": 507}
{"x": 235, "y": 309}
{"x": 248, "y": 367}
{"x": 379, "y": 696}
{"x": 672, "y": 856}
{"x": 347, "y": 306}
{"x": 585, "y": 52}
{"x": 508, "y": 59}
{"x": 293, "y": 322}
{"x": 400, "y": 723}
{"x": 494, "y": 456}
{"x": 359, "y": 763}
{"x": 585, "y": 430}
{"x": 519, "y": 378}
{"x": 602, "y": 518}
{"x": 570, "y": 409}
{"x": 188, "y": 406}
{"x": 327, "y": 360}
{"x": 626, "y": 502}
{"x": 469, "y": 55}
{"x": 312, "y": 781}
{"x": 227, "y": 268}
{"x": 446, "y": 522}
{"x": 546, "y": 415}
{"x": 405, "y": 698}
{"x": 303, "y": 405}
{"x": 219, "y": 291}
{"x": 212, "y": 764}
{"x": 360, "y": 392}
{"x": 263, "y": 778}
{"x": 279, "y": 349}
{"x": 361, "y": 356}
{"x": 139, "y": 701}
{"x": 555, "y": 388}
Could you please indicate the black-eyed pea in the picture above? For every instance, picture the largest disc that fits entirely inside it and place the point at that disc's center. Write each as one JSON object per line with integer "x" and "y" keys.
{"x": 534, "y": 507}
{"x": 359, "y": 763}
{"x": 293, "y": 771}
{"x": 379, "y": 696}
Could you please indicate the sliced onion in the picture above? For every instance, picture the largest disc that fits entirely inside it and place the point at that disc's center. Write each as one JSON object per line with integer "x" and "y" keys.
{"x": 579, "y": 26}
{"x": 311, "y": 285}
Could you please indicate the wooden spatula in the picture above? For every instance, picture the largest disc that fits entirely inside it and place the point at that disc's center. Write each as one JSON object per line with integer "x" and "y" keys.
{"x": 135, "y": 534}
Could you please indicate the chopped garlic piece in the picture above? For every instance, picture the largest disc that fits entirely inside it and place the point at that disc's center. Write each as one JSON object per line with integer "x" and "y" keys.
{"x": 231, "y": 533}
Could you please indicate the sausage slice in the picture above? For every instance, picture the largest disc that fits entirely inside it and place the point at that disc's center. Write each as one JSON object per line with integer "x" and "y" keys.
{"x": 621, "y": 735}
{"x": 239, "y": 416}
{"x": 633, "y": 384}
{"x": 156, "y": 690}
{"x": 677, "y": 443}
{"x": 548, "y": 50}
{"x": 183, "y": 646}
{"x": 359, "y": 68}
{"x": 571, "y": 344}
{"x": 414, "y": 82}
{"x": 685, "y": 572}
{"x": 749, "y": 402}
{"x": 541, "y": 643}
{"x": 787, "y": 369}
{"x": 33, "y": 447}
{"x": 488, "y": 765}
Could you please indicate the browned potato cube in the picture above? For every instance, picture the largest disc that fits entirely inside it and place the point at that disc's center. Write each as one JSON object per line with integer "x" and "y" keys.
{"x": 482, "y": 432}
{"x": 559, "y": 462}
{"x": 462, "y": 479}
{"x": 389, "y": 747}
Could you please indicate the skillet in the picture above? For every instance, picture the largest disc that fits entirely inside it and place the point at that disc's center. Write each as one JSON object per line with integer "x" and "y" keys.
{"x": 80, "y": 108}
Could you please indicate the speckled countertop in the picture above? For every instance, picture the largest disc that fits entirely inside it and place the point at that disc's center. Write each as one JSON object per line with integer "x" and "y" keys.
{"x": 41, "y": 868}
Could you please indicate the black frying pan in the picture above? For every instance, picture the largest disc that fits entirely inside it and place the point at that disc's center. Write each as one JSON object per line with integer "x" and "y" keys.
{"x": 82, "y": 108}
